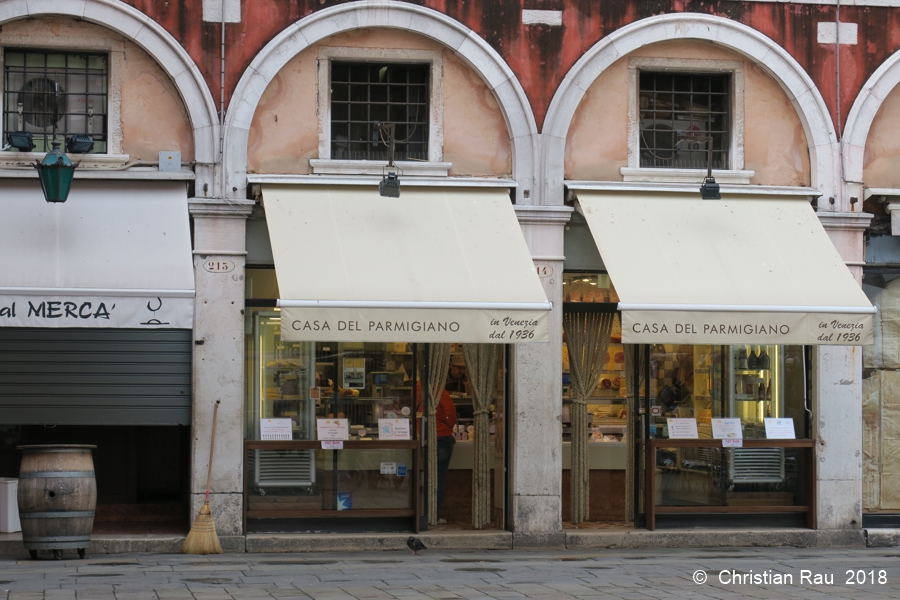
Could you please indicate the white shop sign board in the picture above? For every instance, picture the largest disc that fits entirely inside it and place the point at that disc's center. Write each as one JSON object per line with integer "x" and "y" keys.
{"x": 682, "y": 429}
{"x": 780, "y": 429}
{"x": 115, "y": 255}
{"x": 332, "y": 429}
{"x": 275, "y": 429}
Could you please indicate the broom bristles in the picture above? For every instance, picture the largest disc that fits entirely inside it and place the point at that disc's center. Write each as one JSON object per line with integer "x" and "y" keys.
{"x": 202, "y": 538}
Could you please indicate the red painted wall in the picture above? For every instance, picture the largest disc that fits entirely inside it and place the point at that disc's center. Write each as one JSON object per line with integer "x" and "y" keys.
{"x": 541, "y": 55}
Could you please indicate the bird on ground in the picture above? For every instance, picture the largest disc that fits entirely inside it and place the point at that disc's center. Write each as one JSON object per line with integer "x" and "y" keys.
{"x": 415, "y": 544}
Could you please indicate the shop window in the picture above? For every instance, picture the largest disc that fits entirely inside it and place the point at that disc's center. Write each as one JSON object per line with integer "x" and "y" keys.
{"x": 683, "y": 118}
{"x": 365, "y": 94}
{"x": 588, "y": 287}
{"x": 47, "y": 90}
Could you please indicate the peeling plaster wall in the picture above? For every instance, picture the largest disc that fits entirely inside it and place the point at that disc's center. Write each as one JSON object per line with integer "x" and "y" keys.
{"x": 284, "y": 134}
{"x": 881, "y": 406}
{"x": 151, "y": 114}
{"x": 774, "y": 143}
{"x": 881, "y": 165}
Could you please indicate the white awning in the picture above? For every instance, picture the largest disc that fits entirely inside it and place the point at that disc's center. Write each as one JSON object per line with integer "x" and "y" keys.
{"x": 115, "y": 254}
{"x": 739, "y": 270}
{"x": 435, "y": 265}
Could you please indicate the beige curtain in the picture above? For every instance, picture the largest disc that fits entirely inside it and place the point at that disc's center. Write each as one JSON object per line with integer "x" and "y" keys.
{"x": 633, "y": 390}
{"x": 587, "y": 336}
{"x": 437, "y": 365}
{"x": 482, "y": 364}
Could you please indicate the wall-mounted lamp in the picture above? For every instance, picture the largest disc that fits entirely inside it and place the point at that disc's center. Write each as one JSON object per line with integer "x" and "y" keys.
{"x": 56, "y": 172}
{"x": 389, "y": 186}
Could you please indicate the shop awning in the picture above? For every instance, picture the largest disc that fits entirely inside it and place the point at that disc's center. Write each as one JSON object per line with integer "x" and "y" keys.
{"x": 116, "y": 254}
{"x": 743, "y": 269}
{"x": 435, "y": 265}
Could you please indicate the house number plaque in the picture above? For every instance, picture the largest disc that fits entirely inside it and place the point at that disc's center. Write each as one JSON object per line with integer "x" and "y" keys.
{"x": 218, "y": 266}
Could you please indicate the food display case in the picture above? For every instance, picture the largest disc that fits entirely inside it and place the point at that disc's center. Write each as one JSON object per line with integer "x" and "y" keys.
{"x": 282, "y": 375}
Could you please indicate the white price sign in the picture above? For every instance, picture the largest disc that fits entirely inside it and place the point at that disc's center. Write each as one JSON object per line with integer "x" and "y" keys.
{"x": 275, "y": 429}
{"x": 332, "y": 429}
{"x": 682, "y": 429}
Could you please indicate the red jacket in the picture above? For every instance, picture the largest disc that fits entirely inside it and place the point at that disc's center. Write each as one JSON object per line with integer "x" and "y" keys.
{"x": 445, "y": 415}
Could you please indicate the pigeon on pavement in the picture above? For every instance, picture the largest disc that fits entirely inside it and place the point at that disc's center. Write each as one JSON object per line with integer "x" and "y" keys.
{"x": 415, "y": 544}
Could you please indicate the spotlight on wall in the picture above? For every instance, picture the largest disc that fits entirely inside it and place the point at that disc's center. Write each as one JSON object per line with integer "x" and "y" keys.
{"x": 79, "y": 143}
{"x": 389, "y": 186}
{"x": 709, "y": 189}
{"x": 23, "y": 141}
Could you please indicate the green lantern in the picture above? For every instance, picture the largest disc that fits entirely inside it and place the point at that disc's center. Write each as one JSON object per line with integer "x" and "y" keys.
{"x": 56, "y": 172}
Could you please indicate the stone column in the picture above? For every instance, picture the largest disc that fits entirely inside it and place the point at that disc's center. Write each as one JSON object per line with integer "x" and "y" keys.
{"x": 837, "y": 406}
{"x": 218, "y": 362}
{"x": 535, "y": 444}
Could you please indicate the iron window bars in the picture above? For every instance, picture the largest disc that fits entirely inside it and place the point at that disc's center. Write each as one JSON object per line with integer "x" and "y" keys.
{"x": 39, "y": 86}
{"x": 363, "y": 94}
{"x": 675, "y": 110}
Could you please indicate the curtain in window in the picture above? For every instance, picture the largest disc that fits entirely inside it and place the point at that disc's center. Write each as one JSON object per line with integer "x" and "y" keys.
{"x": 437, "y": 363}
{"x": 633, "y": 389}
{"x": 587, "y": 336}
{"x": 482, "y": 363}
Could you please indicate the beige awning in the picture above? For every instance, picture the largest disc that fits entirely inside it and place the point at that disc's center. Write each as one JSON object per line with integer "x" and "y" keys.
{"x": 435, "y": 265}
{"x": 756, "y": 270}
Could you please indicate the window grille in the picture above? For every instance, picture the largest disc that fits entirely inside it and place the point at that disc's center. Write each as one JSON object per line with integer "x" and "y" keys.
{"x": 677, "y": 113}
{"x": 363, "y": 94}
{"x": 70, "y": 88}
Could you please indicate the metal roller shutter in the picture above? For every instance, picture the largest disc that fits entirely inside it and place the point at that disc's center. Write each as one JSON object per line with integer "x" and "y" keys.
{"x": 95, "y": 376}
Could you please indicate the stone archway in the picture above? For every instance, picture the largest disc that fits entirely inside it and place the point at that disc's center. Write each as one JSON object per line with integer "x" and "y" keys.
{"x": 765, "y": 52}
{"x": 385, "y": 14}
{"x": 862, "y": 115}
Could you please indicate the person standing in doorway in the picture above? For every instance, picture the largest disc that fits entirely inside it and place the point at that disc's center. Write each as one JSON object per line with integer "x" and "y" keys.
{"x": 458, "y": 377}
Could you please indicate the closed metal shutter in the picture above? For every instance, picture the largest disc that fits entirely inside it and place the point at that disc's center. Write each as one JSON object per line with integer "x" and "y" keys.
{"x": 95, "y": 376}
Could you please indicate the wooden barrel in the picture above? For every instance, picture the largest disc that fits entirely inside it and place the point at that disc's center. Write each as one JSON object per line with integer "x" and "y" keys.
{"x": 57, "y": 496}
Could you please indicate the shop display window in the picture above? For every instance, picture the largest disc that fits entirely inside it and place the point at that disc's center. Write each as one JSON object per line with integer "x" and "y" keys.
{"x": 749, "y": 382}
{"x": 306, "y": 381}
{"x": 588, "y": 287}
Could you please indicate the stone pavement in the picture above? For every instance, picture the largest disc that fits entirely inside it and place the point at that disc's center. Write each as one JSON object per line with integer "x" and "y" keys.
{"x": 662, "y": 573}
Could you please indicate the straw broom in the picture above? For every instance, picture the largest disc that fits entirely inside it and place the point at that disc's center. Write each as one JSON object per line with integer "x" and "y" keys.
{"x": 202, "y": 538}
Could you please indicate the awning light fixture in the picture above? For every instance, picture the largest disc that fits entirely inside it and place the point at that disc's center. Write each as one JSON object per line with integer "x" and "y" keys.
{"x": 389, "y": 186}
{"x": 709, "y": 189}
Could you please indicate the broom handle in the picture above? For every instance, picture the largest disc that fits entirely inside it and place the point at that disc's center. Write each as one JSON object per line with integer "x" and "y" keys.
{"x": 212, "y": 446}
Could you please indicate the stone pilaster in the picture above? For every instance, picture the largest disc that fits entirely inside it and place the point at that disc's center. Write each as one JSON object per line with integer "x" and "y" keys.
{"x": 837, "y": 398}
{"x": 536, "y": 442}
{"x": 218, "y": 363}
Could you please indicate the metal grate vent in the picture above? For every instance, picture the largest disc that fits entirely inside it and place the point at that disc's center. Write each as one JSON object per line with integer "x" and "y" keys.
{"x": 757, "y": 465}
{"x": 284, "y": 468}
